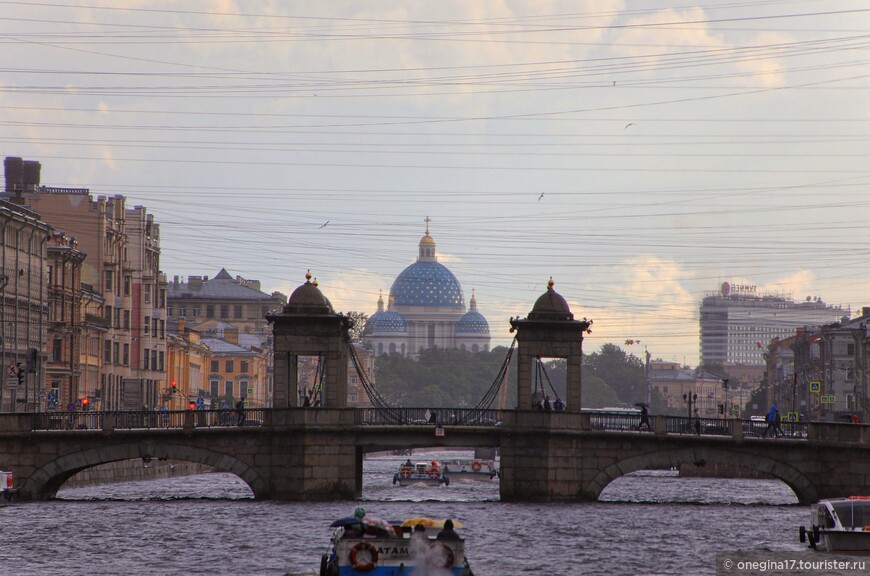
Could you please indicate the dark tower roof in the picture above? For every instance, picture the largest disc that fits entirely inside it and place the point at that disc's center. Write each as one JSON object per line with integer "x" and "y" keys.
{"x": 308, "y": 299}
{"x": 551, "y": 306}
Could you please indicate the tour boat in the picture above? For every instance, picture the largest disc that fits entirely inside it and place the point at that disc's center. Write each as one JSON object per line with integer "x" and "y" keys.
{"x": 378, "y": 548}
{"x": 428, "y": 473}
{"x": 469, "y": 469}
{"x": 7, "y": 485}
{"x": 839, "y": 525}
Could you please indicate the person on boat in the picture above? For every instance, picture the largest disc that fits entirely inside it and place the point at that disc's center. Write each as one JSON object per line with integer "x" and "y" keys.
{"x": 419, "y": 533}
{"x": 240, "y": 411}
{"x": 547, "y": 404}
{"x": 558, "y": 405}
{"x": 644, "y": 419}
{"x": 408, "y": 463}
{"x": 448, "y": 533}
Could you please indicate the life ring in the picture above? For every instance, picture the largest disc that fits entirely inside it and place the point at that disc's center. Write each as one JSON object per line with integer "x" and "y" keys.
{"x": 446, "y": 561}
{"x": 475, "y": 466}
{"x": 367, "y": 565}
{"x": 405, "y": 471}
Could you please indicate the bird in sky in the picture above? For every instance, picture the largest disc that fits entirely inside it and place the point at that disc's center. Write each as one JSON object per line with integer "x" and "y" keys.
{"x": 322, "y": 225}
{"x": 627, "y": 125}
{"x": 541, "y": 196}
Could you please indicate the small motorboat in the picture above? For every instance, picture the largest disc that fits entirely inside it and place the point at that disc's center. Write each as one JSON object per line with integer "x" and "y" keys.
{"x": 427, "y": 473}
{"x": 7, "y": 486}
{"x": 839, "y": 525}
{"x": 395, "y": 548}
{"x": 475, "y": 469}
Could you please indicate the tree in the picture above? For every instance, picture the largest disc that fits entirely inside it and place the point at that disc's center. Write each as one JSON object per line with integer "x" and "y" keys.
{"x": 622, "y": 372}
{"x": 359, "y": 324}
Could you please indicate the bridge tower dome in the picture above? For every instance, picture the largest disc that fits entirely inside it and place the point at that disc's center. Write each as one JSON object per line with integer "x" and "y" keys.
{"x": 550, "y": 331}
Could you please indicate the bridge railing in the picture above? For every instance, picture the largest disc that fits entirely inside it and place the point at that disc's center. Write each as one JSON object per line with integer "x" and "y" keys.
{"x": 428, "y": 416}
{"x": 143, "y": 419}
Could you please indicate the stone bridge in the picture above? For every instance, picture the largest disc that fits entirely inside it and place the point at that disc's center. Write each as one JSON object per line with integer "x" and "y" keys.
{"x": 317, "y": 454}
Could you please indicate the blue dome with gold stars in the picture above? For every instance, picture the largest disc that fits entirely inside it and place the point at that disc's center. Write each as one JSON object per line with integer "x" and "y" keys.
{"x": 386, "y": 321}
{"x": 427, "y": 284}
{"x": 473, "y": 322}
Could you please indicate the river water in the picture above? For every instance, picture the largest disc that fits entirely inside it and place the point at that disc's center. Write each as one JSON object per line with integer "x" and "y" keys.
{"x": 646, "y": 523}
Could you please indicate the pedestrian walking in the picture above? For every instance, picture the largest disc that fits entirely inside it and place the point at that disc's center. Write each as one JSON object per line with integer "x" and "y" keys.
{"x": 771, "y": 424}
{"x": 644, "y": 419}
{"x": 240, "y": 411}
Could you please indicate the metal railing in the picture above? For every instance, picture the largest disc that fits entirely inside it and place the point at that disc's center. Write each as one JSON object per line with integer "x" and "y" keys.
{"x": 144, "y": 419}
{"x": 428, "y": 416}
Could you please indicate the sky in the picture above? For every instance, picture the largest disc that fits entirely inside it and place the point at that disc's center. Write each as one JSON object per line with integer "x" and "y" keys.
{"x": 640, "y": 153}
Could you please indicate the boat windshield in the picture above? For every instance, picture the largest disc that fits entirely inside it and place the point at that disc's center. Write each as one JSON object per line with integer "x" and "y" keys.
{"x": 852, "y": 513}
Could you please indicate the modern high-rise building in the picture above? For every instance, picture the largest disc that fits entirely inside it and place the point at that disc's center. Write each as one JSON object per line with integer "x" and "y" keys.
{"x": 738, "y": 323}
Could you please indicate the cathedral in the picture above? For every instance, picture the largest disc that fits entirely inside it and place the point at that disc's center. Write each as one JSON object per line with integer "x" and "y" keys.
{"x": 426, "y": 309}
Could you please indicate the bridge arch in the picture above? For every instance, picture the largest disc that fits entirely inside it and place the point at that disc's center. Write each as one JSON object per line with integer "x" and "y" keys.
{"x": 803, "y": 488}
{"x": 46, "y": 480}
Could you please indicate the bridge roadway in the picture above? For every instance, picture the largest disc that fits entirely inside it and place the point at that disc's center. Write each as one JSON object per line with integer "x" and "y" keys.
{"x": 317, "y": 453}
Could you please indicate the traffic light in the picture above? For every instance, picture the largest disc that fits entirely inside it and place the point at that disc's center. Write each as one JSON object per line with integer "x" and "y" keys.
{"x": 721, "y": 408}
{"x": 85, "y": 402}
{"x": 20, "y": 374}
{"x": 192, "y": 405}
{"x": 174, "y": 388}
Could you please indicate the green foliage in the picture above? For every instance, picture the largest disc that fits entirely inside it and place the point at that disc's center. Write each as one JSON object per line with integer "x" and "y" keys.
{"x": 454, "y": 378}
{"x": 441, "y": 378}
{"x": 359, "y": 323}
{"x": 622, "y": 372}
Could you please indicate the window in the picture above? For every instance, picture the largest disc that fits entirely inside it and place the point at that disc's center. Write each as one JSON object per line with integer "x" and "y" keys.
{"x": 154, "y": 326}
{"x": 243, "y": 366}
{"x": 107, "y": 314}
{"x": 128, "y": 281}
{"x": 146, "y": 361}
{"x": 126, "y": 319}
{"x": 116, "y": 352}
{"x": 161, "y": 359}
{"x": 229, "y": 366}
{"x": 57, "y": 349}
{"x": 154, "y": 359}
{"x": 209, "y": 311}
{"x": 196, "y": 311}
{"x": 147, "y": 325}
{"x": 147, "y": 293}
{"x": 228, "y": 388}
{"x": 225, "y": 311}
{"x": 238, "y": 311}
{"x": 109, "y": 278}
{"x": 107, "y": 351}
{"x": 850, "y": 349}
{"x": 182, "y": 311}
{"x": 215, "y": 366}
{"x": 214, "y": 387}
{"x": 126, "y": 359}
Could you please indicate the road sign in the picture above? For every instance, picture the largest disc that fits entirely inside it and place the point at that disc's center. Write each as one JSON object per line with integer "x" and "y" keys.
{"x": 12, "y": 383}
{"x": 52, "y": 397}
{"x": 200, "y": 401}
{"x": 792, "y": 416}
{"x": 10, "y": 370}
{"x": 71, "y": 407}
{"x": 815, "y": 386}
{"x": 225, "y": 405}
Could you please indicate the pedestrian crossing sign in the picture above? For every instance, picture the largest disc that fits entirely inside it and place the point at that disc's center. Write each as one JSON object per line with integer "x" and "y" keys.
{"x": 792, "y": 416}
{"x": 815, "y": 386}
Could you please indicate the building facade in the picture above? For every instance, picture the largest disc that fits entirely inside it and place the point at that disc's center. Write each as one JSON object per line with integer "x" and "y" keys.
{"x": 426, "y": 309}
{"x": 121, "y": 268}
{"x": 24, "y": 314}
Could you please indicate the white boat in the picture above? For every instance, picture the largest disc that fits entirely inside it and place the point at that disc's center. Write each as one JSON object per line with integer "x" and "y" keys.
{"x": 469, "y": 469}
{"x": 394, "y": 551}
{"x": 839, "y": 525}
{"x": 428, "y": 473}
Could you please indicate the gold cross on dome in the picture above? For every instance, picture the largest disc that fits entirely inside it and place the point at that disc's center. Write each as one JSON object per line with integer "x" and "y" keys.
{"x": 427, "y": 220}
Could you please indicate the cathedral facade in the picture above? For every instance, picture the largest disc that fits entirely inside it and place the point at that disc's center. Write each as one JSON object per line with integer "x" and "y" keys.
{"x": 426, "y": 309}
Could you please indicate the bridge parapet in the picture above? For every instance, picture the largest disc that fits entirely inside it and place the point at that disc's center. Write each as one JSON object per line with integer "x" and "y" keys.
{"x": 838, "y": 432}
{"x": 15, "y": 422}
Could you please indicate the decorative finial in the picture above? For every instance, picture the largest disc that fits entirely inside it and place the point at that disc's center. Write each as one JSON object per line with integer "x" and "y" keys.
{"x": 308, "y": 276}
{"x": 427, "y": 220}
{"x": 550, "y": 284}
{"x": 315, "y": 281}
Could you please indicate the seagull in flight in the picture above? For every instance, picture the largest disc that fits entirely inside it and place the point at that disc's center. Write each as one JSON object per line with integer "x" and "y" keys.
{"x": 627, "y": 125}
{"x": 541, "y": 196}
{"x": 323, "y": 225}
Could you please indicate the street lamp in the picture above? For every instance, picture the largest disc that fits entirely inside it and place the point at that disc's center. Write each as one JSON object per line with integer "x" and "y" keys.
{"x": 689, "y": 399}
{"x": 725, "y": 386}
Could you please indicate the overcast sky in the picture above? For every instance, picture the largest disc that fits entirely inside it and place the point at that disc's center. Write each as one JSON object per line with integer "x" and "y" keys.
{"x": 639, "y": 152}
